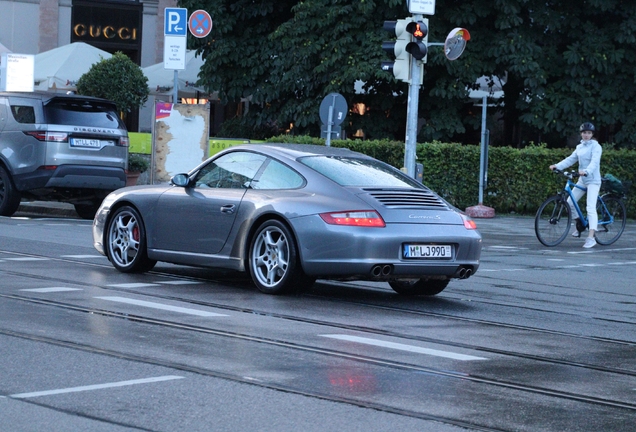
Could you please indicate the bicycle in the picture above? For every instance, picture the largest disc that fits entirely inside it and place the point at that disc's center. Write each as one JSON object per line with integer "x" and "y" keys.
{"x": 553, "y": 219}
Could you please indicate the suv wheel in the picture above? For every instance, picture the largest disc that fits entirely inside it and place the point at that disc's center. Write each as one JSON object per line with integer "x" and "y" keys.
{"x": 9, "y": 196}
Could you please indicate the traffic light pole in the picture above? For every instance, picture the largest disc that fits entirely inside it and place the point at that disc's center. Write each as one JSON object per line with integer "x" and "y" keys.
{"x": 410, "y": 50}
{"x": 411, "y": 120}
{"x": 412, "y": 109}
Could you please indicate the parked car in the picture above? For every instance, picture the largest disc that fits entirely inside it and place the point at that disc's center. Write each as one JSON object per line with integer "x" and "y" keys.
{"x": 290, "y": 214}
{"x": 59, "y": 147}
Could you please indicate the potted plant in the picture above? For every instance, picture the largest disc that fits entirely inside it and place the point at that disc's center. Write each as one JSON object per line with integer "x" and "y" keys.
{"x": 137, "y": 164}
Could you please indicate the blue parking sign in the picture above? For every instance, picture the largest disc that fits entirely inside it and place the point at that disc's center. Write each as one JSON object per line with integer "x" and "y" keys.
{"x": 175, "y": 22}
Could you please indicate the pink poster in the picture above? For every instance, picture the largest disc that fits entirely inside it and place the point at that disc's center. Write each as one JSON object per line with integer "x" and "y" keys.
{"x": 162, "y": 110}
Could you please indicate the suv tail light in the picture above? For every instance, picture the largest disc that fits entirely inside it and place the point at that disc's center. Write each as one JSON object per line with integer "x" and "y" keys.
{"x": 124, "y": 141}
{"x": 48, "y": 136}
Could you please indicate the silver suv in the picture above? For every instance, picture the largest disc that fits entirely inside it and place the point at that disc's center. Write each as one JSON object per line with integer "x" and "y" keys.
{"x": 58, "y": 147}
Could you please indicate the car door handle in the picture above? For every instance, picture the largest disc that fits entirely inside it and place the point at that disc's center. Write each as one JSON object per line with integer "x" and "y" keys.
{"x": 229, "y": 208}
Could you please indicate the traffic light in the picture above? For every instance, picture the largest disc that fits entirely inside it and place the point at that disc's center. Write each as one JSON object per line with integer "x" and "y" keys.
{"x": 401, "y": 67}
{"x": 418, "y": 48}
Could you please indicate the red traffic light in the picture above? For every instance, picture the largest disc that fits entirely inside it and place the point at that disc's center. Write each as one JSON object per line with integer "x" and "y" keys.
{"x": 418, "y": 29}
{"x": 418, "y": 33}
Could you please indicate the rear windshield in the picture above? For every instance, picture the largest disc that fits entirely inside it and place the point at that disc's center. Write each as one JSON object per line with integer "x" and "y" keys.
{"x": 348, "y": 171}
{"x": 82, "y": 113}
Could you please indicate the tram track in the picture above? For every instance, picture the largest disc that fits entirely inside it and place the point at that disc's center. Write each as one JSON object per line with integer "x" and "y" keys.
{"x": 327, "y": 298}
{"x": 357, "y": 328}
{"x": 244, "y": 380}
{"x": 304, "y": 348}
{"x": 203, "y": 371}
{"x": 334, "y": 353}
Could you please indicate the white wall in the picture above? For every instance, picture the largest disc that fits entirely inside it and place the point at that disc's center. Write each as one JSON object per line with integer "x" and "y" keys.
{"x": 64, "y": 23}
{"x": 19, "y": 25}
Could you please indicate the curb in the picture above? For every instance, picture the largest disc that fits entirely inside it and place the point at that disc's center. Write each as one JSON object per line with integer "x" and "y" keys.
{"x": 44, "y": 208}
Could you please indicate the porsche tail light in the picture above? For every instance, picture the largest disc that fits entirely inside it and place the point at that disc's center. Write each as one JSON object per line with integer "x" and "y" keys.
{"x": 469, "y": 223}
{"x": 361, "y": 218}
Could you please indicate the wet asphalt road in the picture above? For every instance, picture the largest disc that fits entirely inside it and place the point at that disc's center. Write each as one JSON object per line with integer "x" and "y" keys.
{"x": 540, "y": 339}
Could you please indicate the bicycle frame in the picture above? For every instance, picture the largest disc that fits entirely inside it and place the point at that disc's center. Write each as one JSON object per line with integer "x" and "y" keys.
{"x": 554, "y": 216}
{"x": 602, "y": 220}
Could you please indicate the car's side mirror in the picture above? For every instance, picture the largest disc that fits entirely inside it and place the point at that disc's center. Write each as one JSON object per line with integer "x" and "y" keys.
{"x": 181, "y": 180}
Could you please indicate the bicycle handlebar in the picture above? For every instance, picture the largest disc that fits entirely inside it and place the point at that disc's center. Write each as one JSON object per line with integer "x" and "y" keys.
{"x": 569, "y": 174}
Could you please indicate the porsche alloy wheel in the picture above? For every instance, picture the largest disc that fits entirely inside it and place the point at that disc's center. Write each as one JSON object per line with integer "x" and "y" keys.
{"x": 273, "y": 260}
{"x": 126, "y": 242}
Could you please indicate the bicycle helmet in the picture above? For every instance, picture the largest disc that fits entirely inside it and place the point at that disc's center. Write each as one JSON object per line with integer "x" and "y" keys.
{"x": 587, "y": 126}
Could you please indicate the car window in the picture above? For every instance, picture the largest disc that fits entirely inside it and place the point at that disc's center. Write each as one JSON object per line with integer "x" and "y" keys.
{"x": 278, "y": 176}
{"x": 349, "y": 171}
{"x": 77, "y": 112}
{"x": 233, "y": 170}
{"x": 23, "y": 114}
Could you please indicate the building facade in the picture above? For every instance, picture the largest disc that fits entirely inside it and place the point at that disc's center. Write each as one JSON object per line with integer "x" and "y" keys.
{"x": 134, "y": 27}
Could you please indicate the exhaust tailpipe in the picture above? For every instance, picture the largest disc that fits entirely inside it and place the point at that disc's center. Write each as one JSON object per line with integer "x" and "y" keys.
{"x": 381, "y": 270}
{"x": 464, "y": 272}
{"x": 376, "y": 270}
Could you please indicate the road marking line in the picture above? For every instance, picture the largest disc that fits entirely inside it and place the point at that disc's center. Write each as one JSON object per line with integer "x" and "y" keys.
{"x": 403, "y": 347}
{"x": 133, "y": 285}
{"x": 178, "y": 282}
{"x": 81, "y": 256}
{"x": 27, "y": 259}
{"x": 161, "y": 306}
{"x": 95, "y": 387}
{"x": 51, "y": 289}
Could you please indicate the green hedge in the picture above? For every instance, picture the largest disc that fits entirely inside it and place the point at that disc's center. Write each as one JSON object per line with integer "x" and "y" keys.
{"x": 518, "y": 179}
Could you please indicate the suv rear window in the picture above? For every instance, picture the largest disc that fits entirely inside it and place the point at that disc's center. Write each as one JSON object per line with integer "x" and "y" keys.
{"x": 80, "y": 112}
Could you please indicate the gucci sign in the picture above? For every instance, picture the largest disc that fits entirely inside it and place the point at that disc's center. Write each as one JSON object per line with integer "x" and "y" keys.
{"x": 105, "y": 32}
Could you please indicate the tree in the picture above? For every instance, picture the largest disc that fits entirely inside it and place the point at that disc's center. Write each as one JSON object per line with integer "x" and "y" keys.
{"x": 563, "y": 63}
{"x": 286, "y": 56}
{"x": 117, "y": 79}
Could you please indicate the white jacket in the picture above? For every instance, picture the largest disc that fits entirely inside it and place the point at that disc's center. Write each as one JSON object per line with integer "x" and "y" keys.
{"x": 588, "y": 155}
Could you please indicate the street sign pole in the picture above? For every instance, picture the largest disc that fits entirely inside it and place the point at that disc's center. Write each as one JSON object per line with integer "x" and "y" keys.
{"x": 175, "y": 87}
{"x": 333, "y": 111}
{"x": 329, "y": 123}
{"x": 175, "y": 37}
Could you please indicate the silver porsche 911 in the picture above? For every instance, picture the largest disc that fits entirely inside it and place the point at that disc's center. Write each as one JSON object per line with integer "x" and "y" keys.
{"x": 290, "y": 214}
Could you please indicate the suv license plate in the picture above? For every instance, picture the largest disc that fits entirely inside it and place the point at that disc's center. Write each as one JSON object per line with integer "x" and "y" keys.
{"x": 80, "y": 142}
{"x": 428, "y": 251}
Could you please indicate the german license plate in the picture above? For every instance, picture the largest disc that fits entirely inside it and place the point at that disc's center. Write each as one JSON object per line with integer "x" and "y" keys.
{"x": 82, "y": 142}
{"x": 428, "y": 251}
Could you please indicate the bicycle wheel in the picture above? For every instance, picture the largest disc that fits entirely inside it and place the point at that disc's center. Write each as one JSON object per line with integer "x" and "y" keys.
{"x": 611, "y": 219}
{"x": 552, "y": 222}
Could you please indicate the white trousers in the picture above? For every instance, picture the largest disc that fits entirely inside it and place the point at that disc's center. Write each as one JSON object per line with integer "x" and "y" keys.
{"x": 590, "y": 208}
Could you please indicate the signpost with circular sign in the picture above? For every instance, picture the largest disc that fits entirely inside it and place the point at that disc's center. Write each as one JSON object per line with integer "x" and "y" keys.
{"x": 333, "y": 110}
{"x": 200, "y": 23}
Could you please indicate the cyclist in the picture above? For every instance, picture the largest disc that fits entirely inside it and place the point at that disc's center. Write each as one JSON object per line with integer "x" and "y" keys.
{"x": 588, "y": 155}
